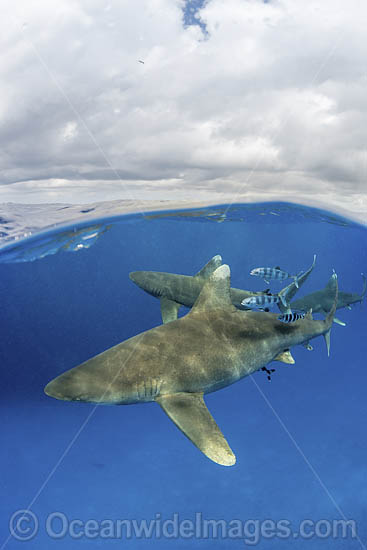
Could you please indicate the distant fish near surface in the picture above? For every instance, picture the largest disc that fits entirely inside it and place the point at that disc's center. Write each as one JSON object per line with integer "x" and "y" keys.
{"x": 274, "y": 273}
{"x": 261, "y": 302}
{"x": 291, "y": 317}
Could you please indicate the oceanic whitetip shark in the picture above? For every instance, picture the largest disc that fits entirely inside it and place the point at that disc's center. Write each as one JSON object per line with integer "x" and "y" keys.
{"x": 175, "y": 364}
{"x": 321, "y": 301}
{"x": 175, "y": 290}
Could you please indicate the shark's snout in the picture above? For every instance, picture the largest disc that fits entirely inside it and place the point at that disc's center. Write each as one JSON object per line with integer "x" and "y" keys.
{"x": 64, "y": 388}
{"x": 136, "y": 277}
{"x": 77, "y": 384}
{"x": 144, "y": 279}
{"x": 150, "y": 281}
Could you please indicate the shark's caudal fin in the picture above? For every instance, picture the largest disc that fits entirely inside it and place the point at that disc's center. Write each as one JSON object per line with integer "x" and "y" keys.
{"x": 210, "y": 267}
{"x": 330, "y": 316}
{"x": 364, "y": 286}
{"x": 288, "y": 292}
{"x": 189, "y": 412}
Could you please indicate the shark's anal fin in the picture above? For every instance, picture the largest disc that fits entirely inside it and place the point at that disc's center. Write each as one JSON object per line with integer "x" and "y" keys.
{"x": 169, "y": 310}
{"x": 285, "y": 357}
{"x": 210, "y": 267}
{"x": 189, "y": 412}
{"x": 339, "y": 322}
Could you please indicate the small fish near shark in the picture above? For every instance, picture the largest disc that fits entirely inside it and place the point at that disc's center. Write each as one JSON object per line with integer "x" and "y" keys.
{"x": 177, "y": 363}
{"x": 274, "y": 273}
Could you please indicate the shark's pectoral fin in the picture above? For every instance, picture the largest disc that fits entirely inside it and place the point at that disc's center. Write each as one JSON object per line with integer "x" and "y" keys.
{"x": 285, "y": 357}
{"x": 189, "y": 412}
{"x": 339, "y": 322}
{"x": 169, "y": 310}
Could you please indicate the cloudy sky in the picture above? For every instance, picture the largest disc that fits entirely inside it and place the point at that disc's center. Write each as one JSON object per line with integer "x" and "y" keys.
{"x": 234, "y": 99}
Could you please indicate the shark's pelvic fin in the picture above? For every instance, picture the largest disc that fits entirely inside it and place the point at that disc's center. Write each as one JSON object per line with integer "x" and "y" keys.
{"x": 339, "y": 322}
{"x": 210, "y": 267}
{"x": 189, "y": 412}
{"x": 169, "y": 309}
{"x": 285, "y": 357}
{"x": 215, "y": 292}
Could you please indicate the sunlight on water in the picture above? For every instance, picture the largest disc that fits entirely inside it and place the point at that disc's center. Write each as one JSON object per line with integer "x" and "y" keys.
{"x": 84, "y": 234}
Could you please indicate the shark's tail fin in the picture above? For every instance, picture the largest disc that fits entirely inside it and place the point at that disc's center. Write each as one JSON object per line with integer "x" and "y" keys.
{"x": 296, "y": 277}
{"x": 284, "y": 307}
{"x": 330, "y": 316}
{"x": 287, "y": 293}
{"x": 364, "y": 286}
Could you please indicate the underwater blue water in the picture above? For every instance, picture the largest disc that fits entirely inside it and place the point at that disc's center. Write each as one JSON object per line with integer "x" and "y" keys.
{"x": 300, "y": 439}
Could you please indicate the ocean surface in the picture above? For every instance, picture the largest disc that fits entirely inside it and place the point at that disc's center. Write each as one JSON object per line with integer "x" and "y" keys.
{"x": 78, "y": 469}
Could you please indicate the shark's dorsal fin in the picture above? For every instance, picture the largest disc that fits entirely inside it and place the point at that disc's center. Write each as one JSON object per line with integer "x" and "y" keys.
{"x": 215, "y": 292}
{"x": 190, "y": 414}
{"x": 309, "y": 314}
{"x": 210, "y": 267}
{"x": 169, "y": 310}
{"x": 331, "y": 283}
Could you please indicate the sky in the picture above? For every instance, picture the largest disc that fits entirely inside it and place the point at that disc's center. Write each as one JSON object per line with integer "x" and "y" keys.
{"x": 196, "y": 100}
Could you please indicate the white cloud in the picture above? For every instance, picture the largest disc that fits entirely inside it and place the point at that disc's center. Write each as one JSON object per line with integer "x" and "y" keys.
{"x": 272, "y": 98}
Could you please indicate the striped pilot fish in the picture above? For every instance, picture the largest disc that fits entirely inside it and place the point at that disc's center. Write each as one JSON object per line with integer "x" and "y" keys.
{"x": 263, "y": 301}
{"x": 274, "y": 273}
{"x": 291, "y": 317}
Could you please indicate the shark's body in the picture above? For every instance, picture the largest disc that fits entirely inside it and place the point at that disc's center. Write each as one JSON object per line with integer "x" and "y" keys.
{"x": 174, "y": 364}
{"x": 321, "y": 301}
{"x": 175, "y": 290}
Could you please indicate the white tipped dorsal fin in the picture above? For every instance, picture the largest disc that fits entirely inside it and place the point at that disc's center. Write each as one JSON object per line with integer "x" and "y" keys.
{"x": 210, "y": 267}
{"x": 215, "y": 292}
{"x": 309, "y": 314}
{"x": 332, "y": 281}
